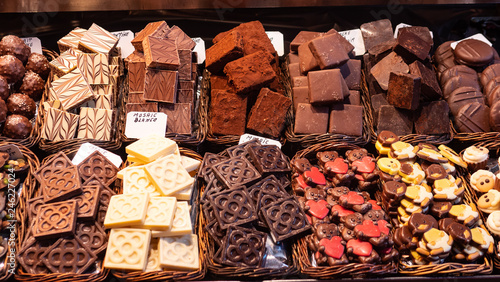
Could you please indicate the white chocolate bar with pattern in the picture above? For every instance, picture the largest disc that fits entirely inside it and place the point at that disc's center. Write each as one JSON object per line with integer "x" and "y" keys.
{"x": 95, "y": 124}
{"x": 135, "y": 180}
{"x": 71, "y": 39}
{"x": 179, "y": 253}
{"x": 127, "y": 249}
{"x": 126, "y": 210}
{"x": 59, "y": 125}
{"x": 98, "y": 40}
{"x": 168, "y": 175}
{"x": 160, "y": 214}
{"x": 181, "y": 224}
{"x": 94, "y": 67}
{"x": 151, "y": 147}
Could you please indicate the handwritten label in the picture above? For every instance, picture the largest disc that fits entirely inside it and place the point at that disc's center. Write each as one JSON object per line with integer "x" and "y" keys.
{"x": 278, "y": 41}
{"x": 477, "y": 36}
{"x": 401, "y": 25}
{"x": 264, "y": 141}
{"x": 199, "y": 49}
{"x": 86, "y": 149}
{"x": 355, "y": 37}
{"x": 124, "y": 43}
{"x": 13, "y": 150}
{"x": 34, "y": 43}
{"x": 142, "y": 124}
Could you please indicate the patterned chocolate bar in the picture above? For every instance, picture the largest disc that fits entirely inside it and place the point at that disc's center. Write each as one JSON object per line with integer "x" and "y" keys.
{"x": 68, "y": 255}
{"x": 88, "y": 202}
{"x": 185, "y": 96}
{"x": 65, "y": 63}
{"x": 233, "y": 207}
{"x": 182, "y": 40}
{"x": 178, "y": 117}
{"x": 95, "y": 124}
{"x": 160, "y": 85}
{"x": 59, "y": 125}
{"x": 185, "y": 67}
{"x": 56, "y": 219}
{"x": 114, "y": 70}
{"x": 104, "y": 102}
{"x": 136, "y": 75}
{"x": 136, "y": 97}
{"x": 94, "y": 67}
{"x": 97, "y": 40}
{"x": 30, "y": 256}
{"x": 72, "y": 90}
{"x": 161, "y": 53}
{"x": 155, "y": 29}
{"x": 103, "y": 89}
{"x": 71, "y": 39}
{"x": 142, "y": 107}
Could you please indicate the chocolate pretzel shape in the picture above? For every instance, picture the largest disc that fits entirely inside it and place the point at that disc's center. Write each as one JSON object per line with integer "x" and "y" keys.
{"x": 98, "y": 165}
{"x": 238, "y": 250}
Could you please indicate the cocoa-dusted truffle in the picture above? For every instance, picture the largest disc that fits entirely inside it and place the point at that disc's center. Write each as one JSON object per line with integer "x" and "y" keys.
{"x": 3, "y": 111}
{"x": 32, "y": 85}
{"x": 21, "y": 104}
{"x": 4, "y": 88}
{"x": 13, "y": 45}
{"x": 39, "y": 64}
{"x": 11, "y": 68}
{"x": 17, "y": 127}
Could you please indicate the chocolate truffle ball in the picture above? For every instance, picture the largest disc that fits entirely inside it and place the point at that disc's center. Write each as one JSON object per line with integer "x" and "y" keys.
{"x": 39, "y": 64}
{"x": 17, "y": 127}
{"x": 11, "y": 68}
{"x": 21, "y": 104}
{"x": 4, "y": 88}
{"x": 32, "y": 85}
{"x": 13, "y": 45}
{"x": 3, "y": 111}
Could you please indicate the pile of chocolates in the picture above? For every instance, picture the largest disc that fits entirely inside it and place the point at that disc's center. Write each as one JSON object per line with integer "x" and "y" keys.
{"x": 404, "y": 91}
{"x": 162, "y": 73}
{"x": 150, "y": 222}
{"x": 348, "y": 226}
{"x": 418, "y": 187}
{"x": 22, "y": 81}
{"x": 326, "y": 81}
{"x": 82, "y": 96}
{"x": 66, "y": 233}
{"x": 246, "y": 94}
{"x": 245, "y": 198}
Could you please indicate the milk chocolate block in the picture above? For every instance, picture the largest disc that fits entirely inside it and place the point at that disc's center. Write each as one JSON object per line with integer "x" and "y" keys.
{"x": 300, "y": 95}
{"x": 268, "y": 114}
{"x": 136, "y": 72}
{"x": 473, "y": 117}
{"x": 136, "y": 97}
{"x": 142, "y": 107}
{"x": 328, "y": 51}
{"x": 185, "y": 96}
{"x": 227, "y": 113}
{"x": 348, "y": 47}
{"x": 303, "y": 37}
{"x": 178, "y": 117}
{"x": 354, "y": 98}
{"x": 376, "y": 32}
{"x": 433, "y": 119}
{"x": 462, "y": 96}
{"x": 160, "y": 85}
{"x": 293, "y": 58}
{"x": 224, "y": 51}
{"x": 294, "y": 70}
{"x": 378, "y": 52}
{"x": 186, "y": 85}
{"x": 421, "y": 31}
{"x": 411, "y": 46}
{"x": 300, "y": 81}
{"x": 56, "y": 219}
{"x": 250, "y": 72}
{"x": 327, "y": 87}
{"x": 158, "y": 29}
{"x": 219, "y": 82}
{"x": 311, "y": 119}
{"x": 351, "y": 71}
{"x": 382, "y": 70}
{"x": 161, "y": 53}
{"x": 185, "y": 67}
{"x": 254, "y": 36}
{"x": 346, "y": 119}
{"x": 404, "y": 90}
{"x": 307, "y": 61}
{"x": 395, "y": 120}
{"x": 429, "y": 85}
{"x": 182, "y": 40}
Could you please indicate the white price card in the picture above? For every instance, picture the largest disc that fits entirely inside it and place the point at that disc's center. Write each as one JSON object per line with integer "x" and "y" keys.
{"x": 86, "y": 149}
{"x": 124, "y": 43}
{"x": 278, "y": 41}
{"x": 142, "y": 124}
{"x": 401, "y": 25}
{"x": 355, "y": 37}
{"x": 477, "y": 36}
{"x": 199, "y": 49}
{"x": 264, "y": 141}
{"x": 34, "y": 43}
{"x": 13, "y": 150}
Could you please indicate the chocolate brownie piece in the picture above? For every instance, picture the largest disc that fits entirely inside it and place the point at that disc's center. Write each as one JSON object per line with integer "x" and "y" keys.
{"x": 254, "y": 36}
{"x": 227, "y": 49}
{"x": 268, "y": 115}
{"x": 311, "y": 119}
{"x": 250, "y": 72}
{"x": 227, "y": 112}
{"x": 404, "y": 90}
{"x": 219, "y": 82}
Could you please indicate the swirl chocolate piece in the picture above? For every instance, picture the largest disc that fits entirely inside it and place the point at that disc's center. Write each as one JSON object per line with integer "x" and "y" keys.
{"x": 244, "y": 247}
{"x": 57, "y": 219}
{"x": 233, "y": 207}
{"x": 285, "y": 219}
{"x": 235, "y": 172}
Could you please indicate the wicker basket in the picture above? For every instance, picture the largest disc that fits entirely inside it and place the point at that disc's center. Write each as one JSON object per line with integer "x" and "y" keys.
{"x": 491, "y": 140}
{"x": 411, "y": 138}
{"x": 306, "y": 140}
{"x": 300, "y": 249}
{"x": 172, "y": 275}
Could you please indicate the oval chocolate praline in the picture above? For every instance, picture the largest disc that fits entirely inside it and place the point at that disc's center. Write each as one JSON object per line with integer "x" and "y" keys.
{"x": 13, "y": 45}
{"x": 39, "y": 64}
{"x": 489, "y": 73}
{"x": 459, "y": 81}
{"x": 473, "y": 53}
{"x": 493, "y": 96}
{"x": 17, "y": 127}
{"x": 21, "y": 104}
{"x": 11, "y": 68}
{"x": 473, "y": 117}
{"x": 33, "y": 85}
{"x": 462, "y": 96}
{"x": 458, "y": 70}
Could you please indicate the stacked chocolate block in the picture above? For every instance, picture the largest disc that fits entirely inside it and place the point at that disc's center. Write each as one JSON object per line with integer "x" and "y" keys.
{"x": 66, "y": 232}
{"x": 245, "y": 199}
{"x": 162, "y": 75}
{"x": 83, "y": 93}
{"x": 246, "y": 94}
{"x": 326, "y": 80}
{"x": 404, "y": 91}
{"x": 151, "y": 228}
{"x": 468, "y": 76}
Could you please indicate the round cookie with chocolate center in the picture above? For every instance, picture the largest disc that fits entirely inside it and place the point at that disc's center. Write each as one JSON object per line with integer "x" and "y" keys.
{"x": 473, "y": 117}
{"x": 17, "y": 127}
{"x": 473, "y": 53}
{"x": 21, "y": 104}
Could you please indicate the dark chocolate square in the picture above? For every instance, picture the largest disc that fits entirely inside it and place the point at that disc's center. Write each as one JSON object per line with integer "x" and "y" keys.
{"x": 235, "y": 172}
{"x": 433, "y": 119}
{"x": 269, "y": 183}
{"x": 285, "y": 218}
{"x": 233, "y": 207}
{"x": 429, "y": 86}
{"x": 395, "y": 120}
{"x": 311, "y": 119}
{"x": 239, "y": 239}
{"x": 404, "y": 90}
{"x": 241, "y": 149}
{"x": 376, "y": 32}
{"x": 209, "y": 159}
{"x": 269, "y": 158}
{"x": 411, "y": 46}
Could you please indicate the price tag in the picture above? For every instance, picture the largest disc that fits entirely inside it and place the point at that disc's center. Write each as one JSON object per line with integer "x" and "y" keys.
{"x": 477, "y": 36}
{"x": 34, "y": 43}
{"x": 355, "y": 37}
{"x": 264, "y": 141}
{"x": 199, "y": 49}
{"x": 278, "y": 41}
{"x": 86, "y": 149}
{"x": 142, "y": 124}
{"x": 13, "y": 150}
{"x": 401, "y": 25}
{"x": 124, "y": 43}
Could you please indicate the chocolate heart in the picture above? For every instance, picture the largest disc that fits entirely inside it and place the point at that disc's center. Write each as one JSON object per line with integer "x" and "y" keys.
{"x": 353, "y": 198}
{"x": 365, "y": 165}
{"x": 318, "y": 208}
{"x": 302, "y": 183}
{"x": 360, "y": 248}
{"x": 333, "y": 247}
{"x": 337, "y": 166}
{"x": 315, "y": 176}
{"x": 368, "y": 229}
{"x": 341, "y": 211}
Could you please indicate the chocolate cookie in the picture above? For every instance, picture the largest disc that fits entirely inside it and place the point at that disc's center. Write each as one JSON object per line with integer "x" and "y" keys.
{"x": 459, "y": 81}
{"x": 434, "y": 172}
{"x": 459, "y": 232}
{"x": 489, "y": 73}
{"x": 495, "y": 116}
{"x": 473, "y": 53}
{"x": 463, "y": 96}
{"x": 473, "y": 117}
{"x": 458, "y": 70}
{"x": 394, "y": 190}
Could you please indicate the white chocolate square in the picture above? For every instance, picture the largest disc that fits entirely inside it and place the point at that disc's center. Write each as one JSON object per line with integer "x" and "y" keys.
{"x": 181, "y": 225}
{"x": 151, "y": 148}
{"x": 153, "y": 257}
{"x": 168, "y": 175}
{"x": 190, "y": 164}
{"x": 160, "y": 214}
{"x": 126, "y": 210}
{"x": 127, "y": 249}
{"x": 185, "y": 194}
{"x": 179, "y": 253}
{"x": 135, "y": 180}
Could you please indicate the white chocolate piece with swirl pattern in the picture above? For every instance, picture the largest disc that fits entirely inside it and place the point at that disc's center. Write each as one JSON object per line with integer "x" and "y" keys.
{"x": 59, "y": 125}
{"x": 95, "y": 124}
